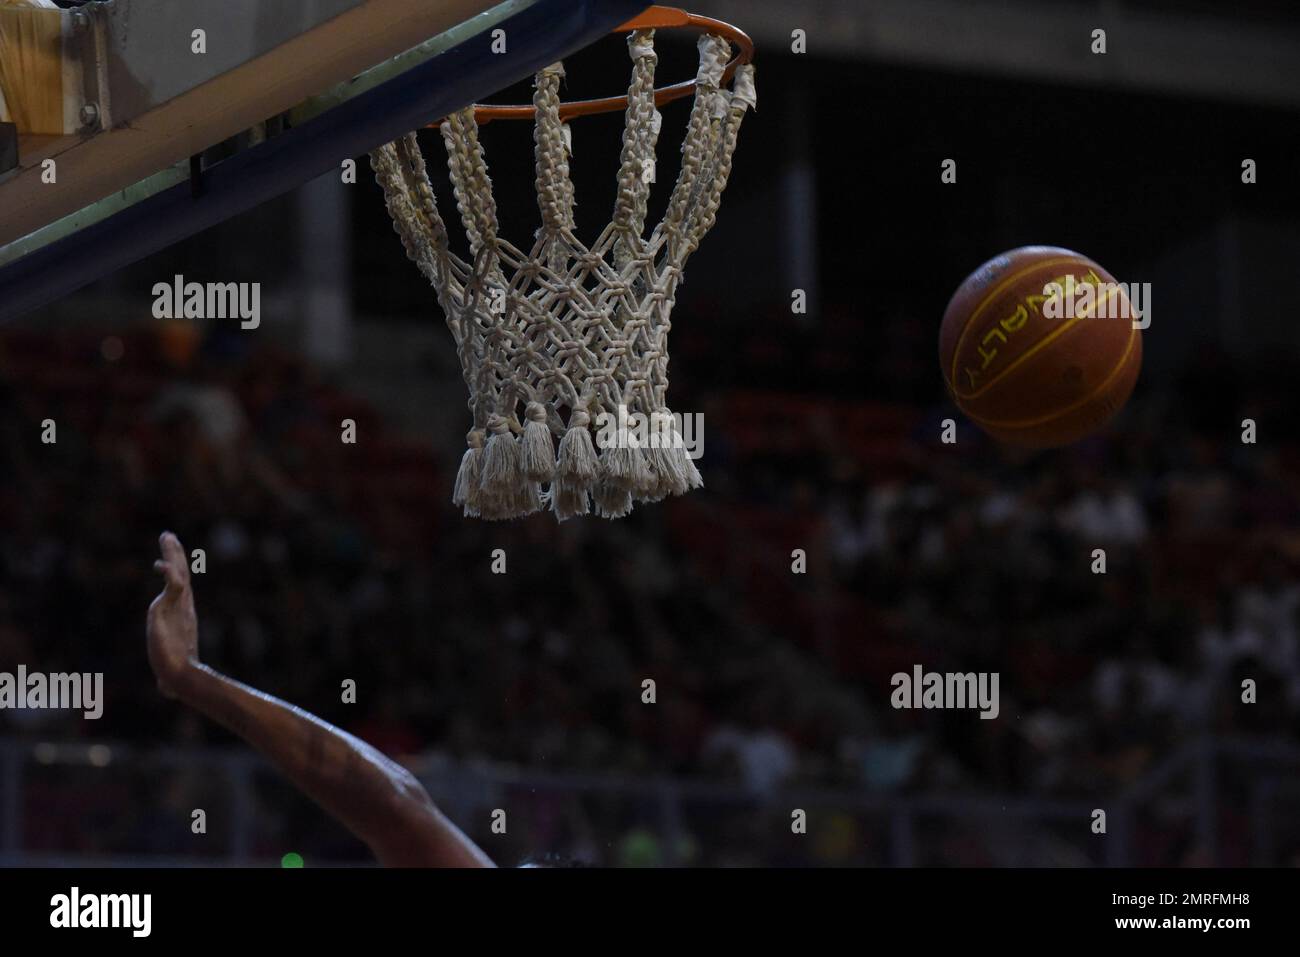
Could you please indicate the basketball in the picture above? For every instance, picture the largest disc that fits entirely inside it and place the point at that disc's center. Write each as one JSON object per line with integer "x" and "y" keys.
{"x": 1035, "y": 364}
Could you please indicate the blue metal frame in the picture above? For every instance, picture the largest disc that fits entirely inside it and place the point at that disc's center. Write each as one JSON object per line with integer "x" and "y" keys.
{"x": 539, "y": 35}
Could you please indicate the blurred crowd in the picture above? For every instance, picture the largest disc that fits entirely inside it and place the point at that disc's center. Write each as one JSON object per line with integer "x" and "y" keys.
{"x": 1124, "y": 589}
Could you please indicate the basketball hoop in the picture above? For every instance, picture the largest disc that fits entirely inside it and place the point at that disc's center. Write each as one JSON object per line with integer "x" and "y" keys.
{"x": 567, "y": 332}
{"x": 655, "y": 18}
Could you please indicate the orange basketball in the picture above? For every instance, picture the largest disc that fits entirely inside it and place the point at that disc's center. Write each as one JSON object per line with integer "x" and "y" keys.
{"x": 1034, "y": 369}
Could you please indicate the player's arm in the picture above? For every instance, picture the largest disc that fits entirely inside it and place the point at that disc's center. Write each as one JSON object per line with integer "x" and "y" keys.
{"x": 374, "y": 797}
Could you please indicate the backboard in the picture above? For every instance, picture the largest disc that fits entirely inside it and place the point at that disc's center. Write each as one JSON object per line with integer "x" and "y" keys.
{"x": 174, "y": 140}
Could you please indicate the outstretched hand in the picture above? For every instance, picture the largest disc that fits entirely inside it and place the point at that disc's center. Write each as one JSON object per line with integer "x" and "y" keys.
{"x": 173, "y": 629}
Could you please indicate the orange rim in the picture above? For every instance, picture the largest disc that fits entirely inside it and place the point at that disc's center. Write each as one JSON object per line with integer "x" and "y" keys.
{"x": 655, "y": 18}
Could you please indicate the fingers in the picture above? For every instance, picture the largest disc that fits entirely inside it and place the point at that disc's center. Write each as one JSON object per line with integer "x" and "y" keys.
{"x": 174, "y": 566}
{"x": 171, "y": 577}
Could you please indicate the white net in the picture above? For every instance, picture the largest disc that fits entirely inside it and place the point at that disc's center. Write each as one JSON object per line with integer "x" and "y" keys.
{"x": 567, "y": 341}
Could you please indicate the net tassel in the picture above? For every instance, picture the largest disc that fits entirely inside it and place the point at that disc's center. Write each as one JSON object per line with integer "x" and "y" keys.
{"x": 528, "y": 498}
{"x": 667, "y": 475}
{"x": 613, "y": 500}
{"x": 466, "y": 492}
{"x": 665, "y": 472}
{"x": 624, "y": 462}
{"x": 576, "y": 469}
{"x": 538, "y": 450}
{"x": 624, "y": 469}
{"x": 504, "y": 491}
{"x": 677, "y": 471}
{"x": 645, "y": 476}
